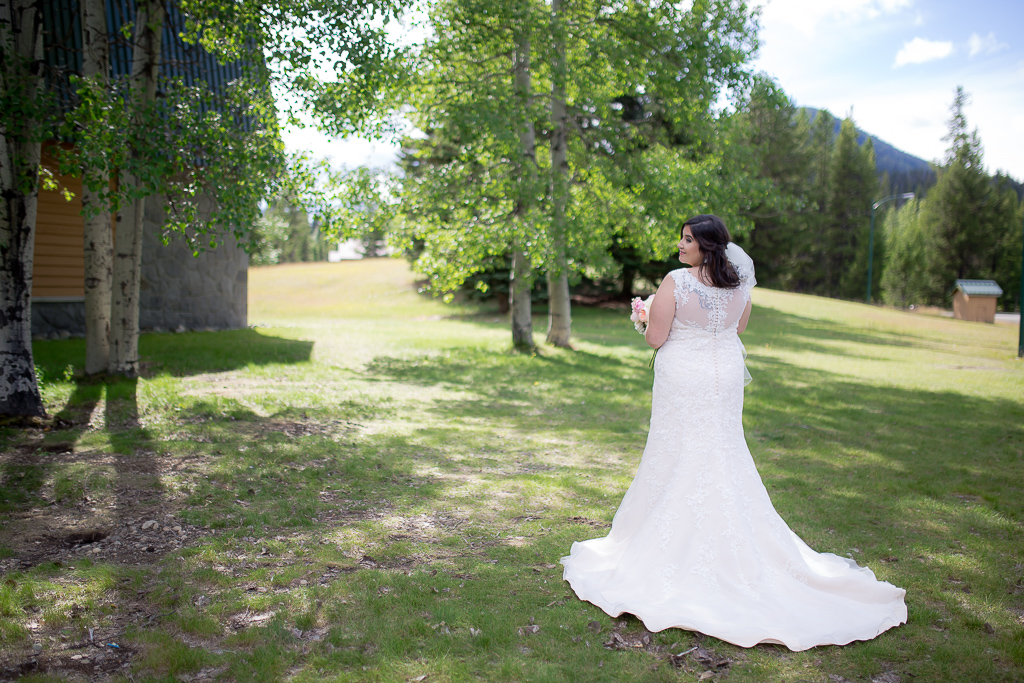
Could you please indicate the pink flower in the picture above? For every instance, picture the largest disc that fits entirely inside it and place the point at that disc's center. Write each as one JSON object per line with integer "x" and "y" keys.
{"x": 640, "y": 312}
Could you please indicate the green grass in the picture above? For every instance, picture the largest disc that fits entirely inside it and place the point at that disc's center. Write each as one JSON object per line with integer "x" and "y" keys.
{"x": 380, "y": 490}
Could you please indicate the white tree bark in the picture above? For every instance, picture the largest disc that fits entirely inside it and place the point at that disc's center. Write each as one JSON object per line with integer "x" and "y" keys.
{"x": 124, "y": 309}
{"x": 522, "y": 277}
{"x": 21, "y": 43}
{"x": 519, "y": 300}
{"x": 98, "y": 241}
{"x": 559, "y": 306}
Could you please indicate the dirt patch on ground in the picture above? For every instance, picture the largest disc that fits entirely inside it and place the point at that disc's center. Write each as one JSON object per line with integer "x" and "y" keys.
{"x": 297, "y": 429}
{"x": 131, "y": 521}
{"x": 81, "y": 660}
{"x": 124, "y": 516}
{"x": 261, "y": 427}
{"x": 590, "y": 522}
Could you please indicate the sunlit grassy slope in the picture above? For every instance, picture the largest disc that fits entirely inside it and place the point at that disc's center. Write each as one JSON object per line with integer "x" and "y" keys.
{"x": 403, "y": 486}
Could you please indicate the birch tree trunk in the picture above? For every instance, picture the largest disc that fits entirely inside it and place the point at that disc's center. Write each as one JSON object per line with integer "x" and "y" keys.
{"x": 127, "y": 271}
{"x": 21, "y": 63}
{"x": 559, "y": 307}
{"x": 519, "y": 301}
{"x": 98, "y": 240}
{"x": 522, "y": 277}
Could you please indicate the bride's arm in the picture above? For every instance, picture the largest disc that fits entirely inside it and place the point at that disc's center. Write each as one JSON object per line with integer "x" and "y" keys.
{"x": 742, "y": 325}
{"x": 663, "y": 309}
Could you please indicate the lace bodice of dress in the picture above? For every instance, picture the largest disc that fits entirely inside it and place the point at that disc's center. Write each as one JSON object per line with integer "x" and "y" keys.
{"x": 703, "y": 308}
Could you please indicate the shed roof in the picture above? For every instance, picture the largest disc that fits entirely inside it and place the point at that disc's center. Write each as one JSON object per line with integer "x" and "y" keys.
{"x": 979, "y": 287}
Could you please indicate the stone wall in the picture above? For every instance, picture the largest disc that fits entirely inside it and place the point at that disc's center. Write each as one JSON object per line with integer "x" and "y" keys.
{"x": 178, "y": 291}
{"x": 56, "y": 318}
{"x": 181, "y": 291}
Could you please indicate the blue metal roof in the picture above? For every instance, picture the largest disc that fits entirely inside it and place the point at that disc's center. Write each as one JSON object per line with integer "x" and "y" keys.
{"x": 979, "y": 287}
{"x": 62, "y": 26}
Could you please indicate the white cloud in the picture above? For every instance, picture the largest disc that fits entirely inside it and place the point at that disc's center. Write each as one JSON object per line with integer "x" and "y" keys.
{"x": 805, "y": 15}
{"x": 919, "y": 51}
{"x": 989, "y": 45}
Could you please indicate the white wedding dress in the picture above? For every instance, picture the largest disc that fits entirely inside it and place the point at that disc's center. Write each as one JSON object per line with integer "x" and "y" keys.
{"x": 696, "y": 543}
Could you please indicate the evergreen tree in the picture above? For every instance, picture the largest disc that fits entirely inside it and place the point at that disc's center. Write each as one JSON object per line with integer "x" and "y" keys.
{"x": 775, "y": 136}
{"x": 960, "y": 215}
{"x": 904, "y": 282}
{"x": 969, "y": 226}
{"x": 286, "y": 235}
{"x": 851, "y": 191}
{"x": 1008, "y": 217}
{"x": 809, "y": 268}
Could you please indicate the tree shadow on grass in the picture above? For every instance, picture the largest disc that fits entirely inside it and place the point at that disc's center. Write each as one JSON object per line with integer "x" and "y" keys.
{"x": 799, "y": 333}
{"x": 275, "y": 472}
{"x": 68, "y": 479}
{"x": 533, "y": 392}
{"x": 767, "y": 326}
{"x": 926, "y": 433}
{"x": 915, "y": 441}
{"x": 28, "y": 463}
{"x": 185, "y": 354}
{"x": 132, "y": 452}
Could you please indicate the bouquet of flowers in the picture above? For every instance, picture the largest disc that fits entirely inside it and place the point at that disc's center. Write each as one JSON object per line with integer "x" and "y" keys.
{"x": 641, "y": 309}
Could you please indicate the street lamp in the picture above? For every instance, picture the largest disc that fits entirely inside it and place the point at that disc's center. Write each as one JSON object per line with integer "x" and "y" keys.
{"x": 871, "y": 235}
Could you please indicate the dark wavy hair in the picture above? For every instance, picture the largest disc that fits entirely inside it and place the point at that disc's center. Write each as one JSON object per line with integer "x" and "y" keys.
{"x": 713, "y": 237}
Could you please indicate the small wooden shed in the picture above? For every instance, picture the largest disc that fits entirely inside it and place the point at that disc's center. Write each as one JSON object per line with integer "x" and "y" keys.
{"x": 975, "y": 300}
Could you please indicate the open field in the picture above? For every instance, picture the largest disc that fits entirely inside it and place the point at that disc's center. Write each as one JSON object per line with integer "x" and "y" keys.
{"x": 369, "y": 487}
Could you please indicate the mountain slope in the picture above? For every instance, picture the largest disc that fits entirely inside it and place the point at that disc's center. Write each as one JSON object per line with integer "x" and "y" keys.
{"x": 907, "y": 173}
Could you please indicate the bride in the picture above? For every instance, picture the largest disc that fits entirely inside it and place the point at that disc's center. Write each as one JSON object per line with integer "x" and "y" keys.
{"x": 696, "y": 543}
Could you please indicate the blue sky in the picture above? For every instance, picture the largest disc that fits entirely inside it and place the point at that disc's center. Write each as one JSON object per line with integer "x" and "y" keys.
{"x": 894, "y": 63}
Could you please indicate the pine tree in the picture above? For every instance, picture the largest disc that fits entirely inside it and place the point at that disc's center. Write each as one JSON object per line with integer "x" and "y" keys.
{"x": 852, "y": 187}
{"x": 776, "y": 137}
{"x": 959, "y": 215}
{"x": 809, "y": 270}
{"x": 1005, "y": 267}
{"x": 904, "y": 282}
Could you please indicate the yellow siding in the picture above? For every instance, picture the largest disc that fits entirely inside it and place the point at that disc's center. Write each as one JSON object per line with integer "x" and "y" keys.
{"x": 977, "y": 308}
{"x": 59, "y": 264}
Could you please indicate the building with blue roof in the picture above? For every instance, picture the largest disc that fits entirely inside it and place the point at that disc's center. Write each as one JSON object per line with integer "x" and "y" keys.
{"x": 179, "y": 291}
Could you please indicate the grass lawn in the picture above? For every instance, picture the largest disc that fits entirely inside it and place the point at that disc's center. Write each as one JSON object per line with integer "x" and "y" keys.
{"x": 368, "y": 486}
